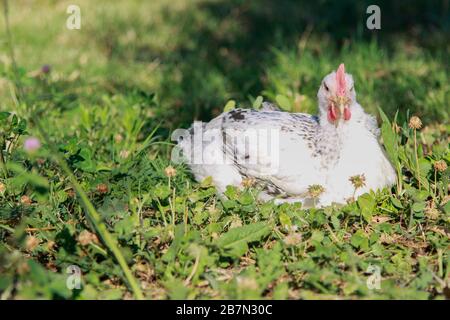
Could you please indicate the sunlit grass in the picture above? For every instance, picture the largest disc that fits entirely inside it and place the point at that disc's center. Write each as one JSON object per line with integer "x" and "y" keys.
{"x": 136, "y": 71}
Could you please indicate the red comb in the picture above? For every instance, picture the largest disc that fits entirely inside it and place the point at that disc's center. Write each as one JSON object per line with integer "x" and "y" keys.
{"x": 340, "y": 80}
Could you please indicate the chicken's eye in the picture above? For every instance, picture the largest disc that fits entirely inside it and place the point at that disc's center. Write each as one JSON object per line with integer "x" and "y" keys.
{"x": 326, "y": 87}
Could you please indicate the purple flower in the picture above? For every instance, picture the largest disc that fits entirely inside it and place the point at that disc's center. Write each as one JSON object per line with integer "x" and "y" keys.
{"x": 45, "y": 68}
{"x": 31, "y": 144}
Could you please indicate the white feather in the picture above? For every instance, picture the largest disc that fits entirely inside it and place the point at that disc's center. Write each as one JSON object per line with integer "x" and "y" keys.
{"x": 310, "y": 151}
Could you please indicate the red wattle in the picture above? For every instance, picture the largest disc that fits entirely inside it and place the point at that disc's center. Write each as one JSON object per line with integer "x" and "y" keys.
{"x": 332, "y": 113}
{"x": 347, "y": 113}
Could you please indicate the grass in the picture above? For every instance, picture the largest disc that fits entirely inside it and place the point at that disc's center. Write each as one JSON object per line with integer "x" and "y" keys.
{"x": 98, "y": 194}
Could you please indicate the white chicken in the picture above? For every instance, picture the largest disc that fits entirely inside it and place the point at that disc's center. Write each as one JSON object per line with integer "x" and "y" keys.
{"x": 284, "y": 154}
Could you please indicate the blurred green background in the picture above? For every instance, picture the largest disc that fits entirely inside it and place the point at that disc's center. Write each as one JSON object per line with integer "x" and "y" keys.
{"x": 194, "y": 55}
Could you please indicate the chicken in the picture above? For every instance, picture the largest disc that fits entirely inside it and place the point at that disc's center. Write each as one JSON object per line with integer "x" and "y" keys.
{"x": 286, "y": 155}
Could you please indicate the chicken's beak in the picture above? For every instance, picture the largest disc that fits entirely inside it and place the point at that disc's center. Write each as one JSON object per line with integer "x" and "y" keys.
{"x": 342, "y": 103}
{"x": 341, "y": 108}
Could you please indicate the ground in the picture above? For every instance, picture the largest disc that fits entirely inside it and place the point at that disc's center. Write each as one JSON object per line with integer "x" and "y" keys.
{"x": 99, "y": 198}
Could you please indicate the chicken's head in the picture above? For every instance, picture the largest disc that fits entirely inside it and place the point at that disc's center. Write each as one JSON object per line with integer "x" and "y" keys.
{"x": 336, "y": 95}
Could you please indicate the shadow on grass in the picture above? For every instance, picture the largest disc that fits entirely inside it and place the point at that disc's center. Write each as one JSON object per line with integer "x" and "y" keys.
{"x": 227, "y": 56}
{"x": 223, "y": 49}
